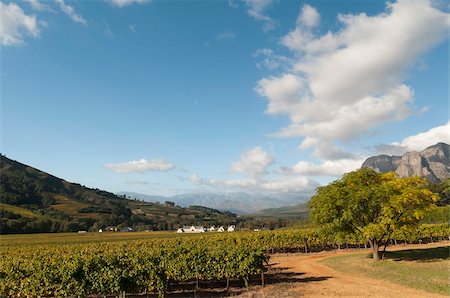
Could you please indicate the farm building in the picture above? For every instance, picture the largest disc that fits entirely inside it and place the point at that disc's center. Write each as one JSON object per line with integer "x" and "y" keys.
{"x": 221, "y": 229}
{"x": 191, "y": 229}
{"x": 231, "y": 228}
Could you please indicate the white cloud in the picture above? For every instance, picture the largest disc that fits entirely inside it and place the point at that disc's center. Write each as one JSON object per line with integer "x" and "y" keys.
{"x": 290, "y": 184}
{"x": 326, "y": 150}
{"x": 37, "y": 5}
{"x": 270, "y": 59}
{"x": 309, "y": 17}
{"x": 257, "y": 8}
{"x": 14, "y": 24}
{"x": 327, "y": 168}
{"x": 141, "y": 165}
{"x": 253, "y": 162}
{"x": 123, "y": 3}
{"x": 346, "y": 83}
{"x": 419, "y": 141}
{"x": 70, "y": 11}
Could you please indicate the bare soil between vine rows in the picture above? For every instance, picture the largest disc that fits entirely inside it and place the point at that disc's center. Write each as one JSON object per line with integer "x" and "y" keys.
{"x": 301, "y": 275}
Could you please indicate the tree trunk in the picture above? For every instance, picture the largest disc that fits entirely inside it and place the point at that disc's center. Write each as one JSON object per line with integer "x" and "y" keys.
{"x": 375, "y": 246}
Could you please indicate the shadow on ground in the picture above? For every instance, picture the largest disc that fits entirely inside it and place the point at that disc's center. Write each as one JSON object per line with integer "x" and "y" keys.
{"x": 419, "y": 255}
{"x": 237, "y": 287}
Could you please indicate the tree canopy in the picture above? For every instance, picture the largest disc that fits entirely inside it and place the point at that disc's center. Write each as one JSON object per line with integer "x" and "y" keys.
{"x": 371, "y": 205}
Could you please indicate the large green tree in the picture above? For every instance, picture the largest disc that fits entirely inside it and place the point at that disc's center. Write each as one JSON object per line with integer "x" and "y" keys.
{"x": 371, "y": 205}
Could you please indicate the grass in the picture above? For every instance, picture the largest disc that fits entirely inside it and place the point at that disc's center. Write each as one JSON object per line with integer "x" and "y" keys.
{"x": 424, "y": 269}
{"x": 67, "y": 205}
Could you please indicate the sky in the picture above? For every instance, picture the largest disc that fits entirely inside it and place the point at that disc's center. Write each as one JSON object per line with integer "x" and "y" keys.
{"x": 257, "y": 96}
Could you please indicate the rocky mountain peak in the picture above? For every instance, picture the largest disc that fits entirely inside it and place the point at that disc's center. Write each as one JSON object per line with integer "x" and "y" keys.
{"x": 432, "y": 163}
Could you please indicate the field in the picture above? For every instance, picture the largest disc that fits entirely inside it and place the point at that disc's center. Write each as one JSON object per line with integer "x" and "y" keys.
{"x": 426, "y": 269}
{"x": 159, "y": 263}
{"x": 309, "y": 275}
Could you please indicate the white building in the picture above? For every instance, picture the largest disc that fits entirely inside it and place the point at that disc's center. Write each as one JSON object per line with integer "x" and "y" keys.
{"x": 212, "y": 228}
{"x": 231, "y": 228}
{"x": 191, "y": 229}
{"x": 221, "y": 229}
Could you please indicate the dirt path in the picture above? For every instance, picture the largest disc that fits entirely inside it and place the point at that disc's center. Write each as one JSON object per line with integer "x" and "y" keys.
{"x": 312, "y": 279}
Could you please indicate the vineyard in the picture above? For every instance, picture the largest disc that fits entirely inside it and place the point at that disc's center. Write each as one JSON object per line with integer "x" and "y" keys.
{"x": 160, "y": 264}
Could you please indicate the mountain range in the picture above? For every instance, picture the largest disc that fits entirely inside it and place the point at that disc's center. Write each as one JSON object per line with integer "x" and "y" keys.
{"x": 236, "y": 202}
{"x": 432, "y": 163}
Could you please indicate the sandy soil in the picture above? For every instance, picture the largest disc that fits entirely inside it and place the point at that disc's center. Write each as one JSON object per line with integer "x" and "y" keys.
{"x": 308, "y": 278}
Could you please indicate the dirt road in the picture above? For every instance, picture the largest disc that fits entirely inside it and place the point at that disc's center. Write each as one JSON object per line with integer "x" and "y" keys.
{"x": 308, "y": 278}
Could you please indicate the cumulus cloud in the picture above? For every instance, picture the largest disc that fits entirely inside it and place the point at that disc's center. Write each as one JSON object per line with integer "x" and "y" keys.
{"x": 257, "y": 10}
{"x": 417, "y": 142}
{"x": 70, "y": 12}
{"x": 298, "y": 184}
{"x": 253, "y": 162}
{"x": 123, "y": 3}
{"x": 15, "y": 24}
{"x": 327, "y": 168}
{"x": 346, "y": 83}
{"x": 140, "y": 166}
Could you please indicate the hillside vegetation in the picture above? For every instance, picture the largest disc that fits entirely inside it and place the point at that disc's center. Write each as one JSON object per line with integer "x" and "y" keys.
{"x": 34, "y": 201}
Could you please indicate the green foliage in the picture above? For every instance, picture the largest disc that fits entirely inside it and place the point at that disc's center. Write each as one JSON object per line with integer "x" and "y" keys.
{"x": 440, "y": 214}
{"x": 443, "y": 190}
{"x": 110, "y": 268}
{"x": 109, "y": 263}
{"x": 369, "y": 204}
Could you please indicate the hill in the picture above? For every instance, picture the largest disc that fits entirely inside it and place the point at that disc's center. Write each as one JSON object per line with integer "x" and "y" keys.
{"x": 432, "y": 163}
{"x": 34, "y": 201}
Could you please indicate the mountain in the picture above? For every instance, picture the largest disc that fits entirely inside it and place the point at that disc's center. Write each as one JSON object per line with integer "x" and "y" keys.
{"x": 34, "y": 201}
{"x": 432, "y": 163}
{"x": 236, "y": 202}
{"x": 296, "y": 211}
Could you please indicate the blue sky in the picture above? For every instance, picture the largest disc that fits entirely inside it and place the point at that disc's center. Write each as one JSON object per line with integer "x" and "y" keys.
{"x": 167, "y": 97}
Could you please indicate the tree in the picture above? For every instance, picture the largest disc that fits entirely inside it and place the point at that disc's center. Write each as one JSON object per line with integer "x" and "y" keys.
{"x": 371, "y": 205}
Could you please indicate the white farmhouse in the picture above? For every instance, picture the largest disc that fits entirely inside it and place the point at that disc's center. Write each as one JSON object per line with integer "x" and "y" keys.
{"x": 191, "y": 229}
{"x": 212, "y": 229}
{"x": 231, "y": 228}
{"x": 221, "y": 229}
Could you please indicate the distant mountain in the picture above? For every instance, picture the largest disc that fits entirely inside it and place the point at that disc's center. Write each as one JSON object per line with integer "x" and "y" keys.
{"x": 296, "y": 211}
{"x": 432, "y": 163}
{"x": 236, "y": 202}
{"x": 34, "y": 201}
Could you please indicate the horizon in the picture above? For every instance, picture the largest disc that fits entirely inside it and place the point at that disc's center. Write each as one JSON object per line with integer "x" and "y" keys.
{"x": 165, "y": 98}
